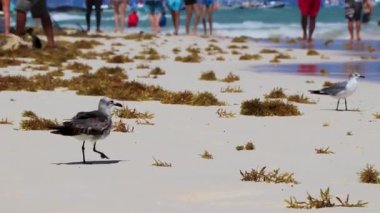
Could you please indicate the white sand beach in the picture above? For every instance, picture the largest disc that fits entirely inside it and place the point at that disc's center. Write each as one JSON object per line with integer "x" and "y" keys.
{"x": 42, "y": 172}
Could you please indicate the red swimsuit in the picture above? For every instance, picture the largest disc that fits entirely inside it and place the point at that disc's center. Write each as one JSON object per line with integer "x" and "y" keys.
{"x": 309, "y": 7}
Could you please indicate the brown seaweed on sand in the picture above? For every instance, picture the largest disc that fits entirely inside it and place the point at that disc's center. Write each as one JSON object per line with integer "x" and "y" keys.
{"x": 160, "y": 163}
{"x": 277, "y": 92}
{"x": 274, "y": 176}
{"x": 206, "y": 155}
{"x": 230, "y": 89}
{"x": 256, "y": 107}
{"x": 222, "y": 113}
{"x": 33, "y": 122}
{"x": 231, "y": 78}
{"x": 208, "y": 76}
{"x": 240, "y": 39}
{"x": 369, "y": 175}
{"x": 325, "y": 200}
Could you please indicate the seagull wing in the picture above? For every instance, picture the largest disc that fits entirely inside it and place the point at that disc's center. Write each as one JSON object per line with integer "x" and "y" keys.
{"x": 335, "y": 89}
{"x": 90, "y": 123}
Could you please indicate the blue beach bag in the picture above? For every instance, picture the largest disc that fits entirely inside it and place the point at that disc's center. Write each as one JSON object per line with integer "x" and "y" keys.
{"x": 163, "y": 20}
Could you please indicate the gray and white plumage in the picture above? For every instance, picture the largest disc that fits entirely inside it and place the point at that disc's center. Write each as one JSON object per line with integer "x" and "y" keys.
{"x": 92, "y": 125}
{"x": 340, "y": 90}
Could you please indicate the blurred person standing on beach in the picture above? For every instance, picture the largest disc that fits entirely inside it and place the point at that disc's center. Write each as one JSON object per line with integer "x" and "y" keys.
{"x": 39, "y": 10}
{"x": 309, "y": 11}
{"x": 5, "y": 4}
{"x": 353, "y": 12}
{"x": 208, "y": 8}
{"x": 155, "y": 8}
{"x": 119, "y": 7}
{"x": 174, "y": 7}
{"x": 367, "y": 11}
{"x": 190, "y": 6}
{"x": 98, "y": 10}
{"x": 133, "y": 19}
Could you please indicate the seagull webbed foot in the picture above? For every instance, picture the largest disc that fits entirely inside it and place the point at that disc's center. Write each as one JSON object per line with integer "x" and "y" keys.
{"x": 103, "y": 156}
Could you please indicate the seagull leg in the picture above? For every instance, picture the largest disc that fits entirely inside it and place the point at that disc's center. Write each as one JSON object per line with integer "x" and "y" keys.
{"x": 102, "y": 155}
{"x": 84, "y": 160}
{"x": 345, "y": 101}
{"x": 337, "y": 105}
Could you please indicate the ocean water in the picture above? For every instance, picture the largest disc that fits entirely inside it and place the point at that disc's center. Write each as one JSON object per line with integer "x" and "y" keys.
{"x": 258, "y": 23}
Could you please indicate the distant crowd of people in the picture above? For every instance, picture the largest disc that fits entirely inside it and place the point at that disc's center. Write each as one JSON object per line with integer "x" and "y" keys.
{"x": 156, "y": 10}
{"x": 356, "y": 13}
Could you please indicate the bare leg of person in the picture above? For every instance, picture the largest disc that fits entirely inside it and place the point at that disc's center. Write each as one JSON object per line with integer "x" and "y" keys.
{"x": 173, "y": 20}
{"x": 47, "y": 25}
{"x": 210, "y": 18}
{"x": 357, "y": 28}
{"x": 304, "y": 26}
{"x": 197, "y": 17}
{"x": 88, "y": 15}
{"x": 157, "y": 22}
{"x": 98, "y": 11}
{"x": 151, "y": 21}
{"x": 122, "y": 15}
{"x": 350, "y": 26}
{"x": 176, "y": 22}
{"x": 116, "y": 15}
{"x": 311, "y": 29}
{"x": 189, "y": 14}
{"x": 20, "y": 23}
{"x": 7, "y": 16}
{"x": 204, "y": 14}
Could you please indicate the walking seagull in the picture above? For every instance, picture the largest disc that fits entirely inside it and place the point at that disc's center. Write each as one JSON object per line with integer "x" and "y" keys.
{"x": 341, "y": 89}
{"x": 93, "y": 125}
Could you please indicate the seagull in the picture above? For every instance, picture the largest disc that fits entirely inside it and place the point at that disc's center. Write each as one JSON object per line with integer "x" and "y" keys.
{"x": 341, "y": 89}
{"x": 92, "y": 126}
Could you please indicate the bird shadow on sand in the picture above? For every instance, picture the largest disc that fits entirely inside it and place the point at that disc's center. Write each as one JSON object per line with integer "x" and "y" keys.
{"x": 97, "y": 162}
{"x": 341, "y": 110}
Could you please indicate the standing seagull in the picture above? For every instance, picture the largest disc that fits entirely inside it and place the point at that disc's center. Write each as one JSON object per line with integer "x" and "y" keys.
{"x": 341, "y": 89}
{"x": 91, "y": 126}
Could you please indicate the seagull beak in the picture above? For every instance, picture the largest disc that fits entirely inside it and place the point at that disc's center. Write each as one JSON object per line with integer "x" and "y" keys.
{"x": 118, "y": 104}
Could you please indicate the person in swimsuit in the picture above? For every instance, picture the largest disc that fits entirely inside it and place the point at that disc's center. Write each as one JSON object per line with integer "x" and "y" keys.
{"x": 190, "y": 6}
{"x": 7, "y": 15}
{"x": 207, "y": 10}
{"x": 309, "y": 11}
{"x": 155, "y": 8}
{"x": 119, "y": 7}
{"x": 367, "y": 11}
{"x": 89, "y": 5}
{"x": 353, "y": 13}
{"x": 39, "y": 10}
{"x": 174, "y": 7}
{"x": 133, "y": 19}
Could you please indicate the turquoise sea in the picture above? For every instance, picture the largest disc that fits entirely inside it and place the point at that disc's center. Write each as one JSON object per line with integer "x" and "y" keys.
{"x": 258, "y": 23}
